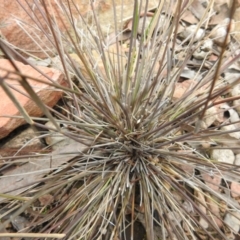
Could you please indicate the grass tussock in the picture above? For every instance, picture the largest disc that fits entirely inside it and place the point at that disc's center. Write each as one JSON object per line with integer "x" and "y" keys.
{"x": 146, "y": 149}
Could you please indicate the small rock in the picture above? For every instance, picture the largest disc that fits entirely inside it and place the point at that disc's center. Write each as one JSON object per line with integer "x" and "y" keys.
{"x": 188, "y": 73}
{"x": 235, "y": 134}
{"x": 215, "y": 211}
{"x": 207, "y": 45}
{"x": 54, "y": 139}
{"x": 221, "y": 108}
{"x": 192, "y": 30}
{"x": 199, "y": 54}
{"x": 19, "y": 223}
{"x": 44, "y": 62}
{"x": 203, "y": 222}
{"x": 48, "y": 95}
{"x": 233, "y": 115}
{"x": 236, "y": 90}
{"x": 46, "y": 199}
{"x": 187, "y": 168}
{"x": 236, "y": 104}
{"x": 24, "y": 143}
{"x": 140, "y": 26}
{"x": 174, "y": 217}
{"x": 187, "y": 206}
{"x": 223, "y": 155}
{"x": 212, "y": 181}
{"x": 231, "y": 77}
{"x": 235, "y": 189}
{"x": 182, "y": 88}
{"x": 237, "y": 159}
{"x": 219, "y": 33}
{"x": 233, "y": 221}
{"x": 210, "y": 116}
{"x": 203, "y": 208}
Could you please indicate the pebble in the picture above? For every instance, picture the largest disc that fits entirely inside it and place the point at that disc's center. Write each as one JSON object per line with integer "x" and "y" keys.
{"x": 223, "y": 155}
{"x": 235, "y": 189}
{"x": 232, "y": 220}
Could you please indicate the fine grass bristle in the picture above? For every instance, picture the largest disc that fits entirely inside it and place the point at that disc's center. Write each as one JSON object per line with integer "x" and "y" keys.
{"x": 148, "y": 149}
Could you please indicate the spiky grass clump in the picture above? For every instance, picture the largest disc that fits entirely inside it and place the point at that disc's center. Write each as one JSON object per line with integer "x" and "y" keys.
{"x": 145, "y": 150}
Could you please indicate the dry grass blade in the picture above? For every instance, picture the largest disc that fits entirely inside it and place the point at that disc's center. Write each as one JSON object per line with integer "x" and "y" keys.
{"x": 32, "y": 235}
{"x": 151, "y": 155}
